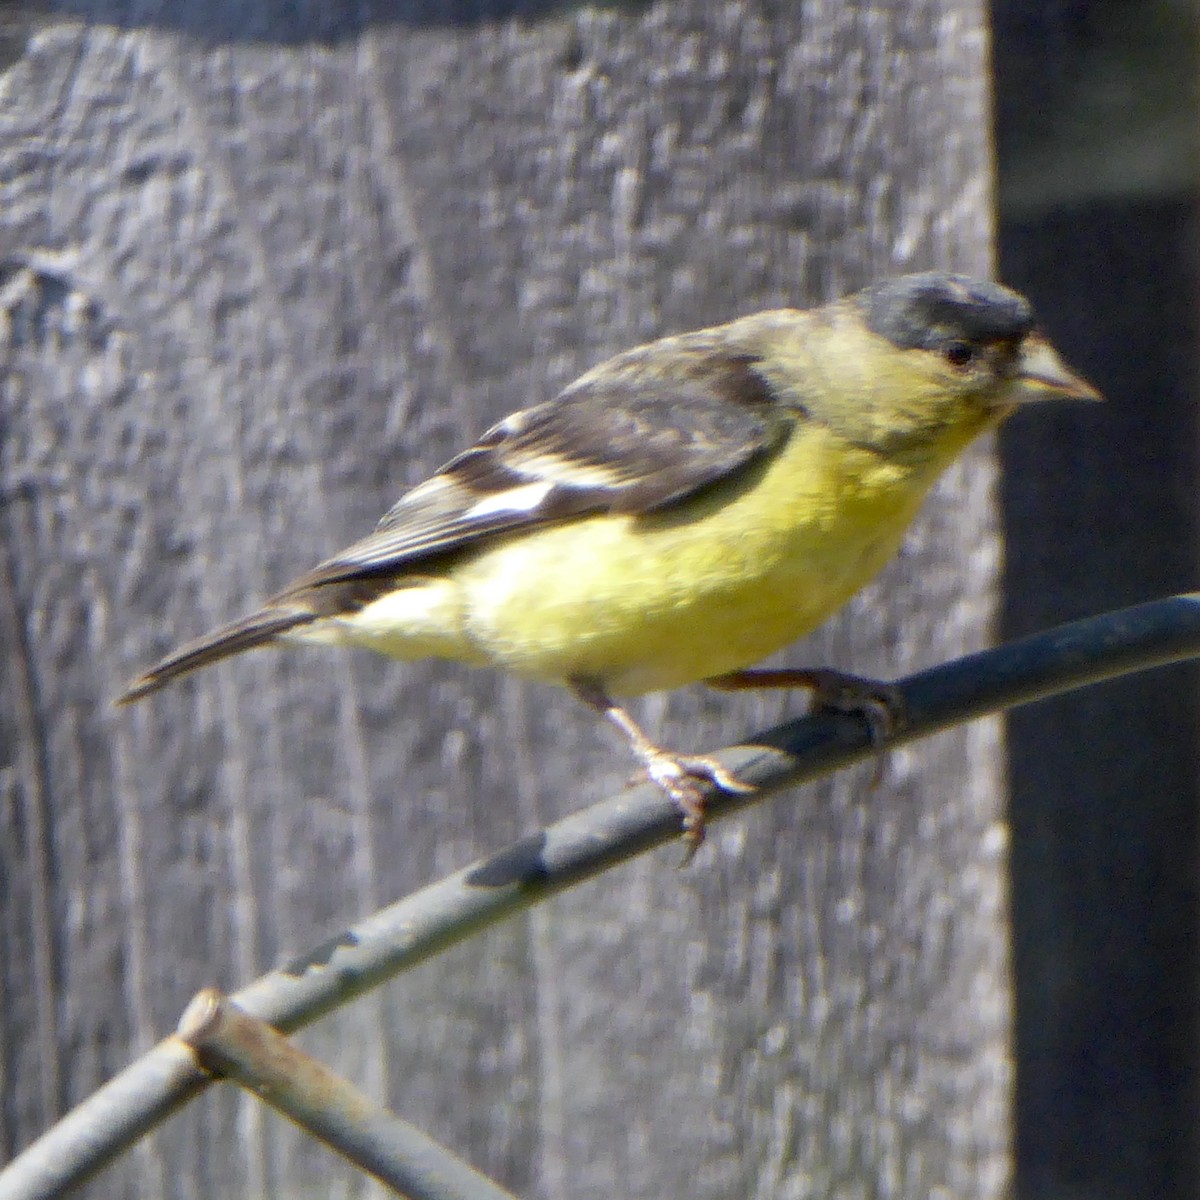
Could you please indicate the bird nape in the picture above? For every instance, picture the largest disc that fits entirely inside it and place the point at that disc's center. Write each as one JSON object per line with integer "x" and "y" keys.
{"x": 680, "y": 511}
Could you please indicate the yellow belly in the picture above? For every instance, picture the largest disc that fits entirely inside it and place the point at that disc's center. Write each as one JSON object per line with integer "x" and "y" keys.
{"x": 648, "y": 603}
{"x": 654, "y": 602}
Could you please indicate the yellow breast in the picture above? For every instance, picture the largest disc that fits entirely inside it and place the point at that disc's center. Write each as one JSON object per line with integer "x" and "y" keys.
{"x": 727, "y": 578}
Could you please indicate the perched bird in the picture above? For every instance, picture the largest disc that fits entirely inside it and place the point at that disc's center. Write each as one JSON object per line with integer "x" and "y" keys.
{"x": 680, "y": 511}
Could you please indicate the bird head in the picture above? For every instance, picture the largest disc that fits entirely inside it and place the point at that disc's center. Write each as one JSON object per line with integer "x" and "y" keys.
{"x": 920, "y": 364}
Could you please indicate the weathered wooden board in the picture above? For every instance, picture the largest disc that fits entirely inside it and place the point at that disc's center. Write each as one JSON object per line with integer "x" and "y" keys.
{"x": 266, "y": 268}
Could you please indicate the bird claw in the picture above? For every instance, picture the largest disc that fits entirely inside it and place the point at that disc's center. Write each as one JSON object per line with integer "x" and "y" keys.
{"x": 688, "y": 779}
{"x": 880, "y": 704}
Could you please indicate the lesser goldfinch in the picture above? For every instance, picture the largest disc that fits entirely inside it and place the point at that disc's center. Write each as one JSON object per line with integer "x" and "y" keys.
{"x": 680, "y": 511}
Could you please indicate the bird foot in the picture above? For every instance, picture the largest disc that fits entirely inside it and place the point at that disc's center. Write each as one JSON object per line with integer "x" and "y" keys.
{"x": 688, "y": 779}
{"x": 879, "y": 704}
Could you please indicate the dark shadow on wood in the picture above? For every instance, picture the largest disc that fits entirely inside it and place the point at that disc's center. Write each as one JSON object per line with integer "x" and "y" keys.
{"x": 1104, "y": 783}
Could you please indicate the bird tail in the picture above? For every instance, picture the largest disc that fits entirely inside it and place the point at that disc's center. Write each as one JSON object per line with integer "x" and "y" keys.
{"x": 255, "y": 630}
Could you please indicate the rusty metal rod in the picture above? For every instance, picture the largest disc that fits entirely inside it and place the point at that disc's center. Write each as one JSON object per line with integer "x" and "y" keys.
{"x": 229, "y": 1042}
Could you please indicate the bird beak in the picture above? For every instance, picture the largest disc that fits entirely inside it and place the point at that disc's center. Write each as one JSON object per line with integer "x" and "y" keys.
{"x": 1042, "y": 375}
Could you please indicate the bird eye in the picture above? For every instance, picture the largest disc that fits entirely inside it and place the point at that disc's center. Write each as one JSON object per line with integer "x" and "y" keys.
{"x": 958, "y": 354}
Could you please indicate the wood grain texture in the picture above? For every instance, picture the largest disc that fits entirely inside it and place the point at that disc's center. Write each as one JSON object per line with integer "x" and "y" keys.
{"x": 262, "y": 273}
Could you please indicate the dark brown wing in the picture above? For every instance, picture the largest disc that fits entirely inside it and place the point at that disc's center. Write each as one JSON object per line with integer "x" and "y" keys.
{"x": 636, "y": 435}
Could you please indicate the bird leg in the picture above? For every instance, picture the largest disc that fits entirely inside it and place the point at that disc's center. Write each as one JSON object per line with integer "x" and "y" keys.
{"x": 880, "y": 704}
{"x": 685, "y": 778}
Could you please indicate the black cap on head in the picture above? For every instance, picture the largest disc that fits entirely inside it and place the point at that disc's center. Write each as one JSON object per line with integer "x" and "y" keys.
{"x": 928, "y": 310}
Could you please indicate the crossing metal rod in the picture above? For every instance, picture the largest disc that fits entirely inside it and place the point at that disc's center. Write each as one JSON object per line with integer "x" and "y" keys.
{"x": 231, "y": 1043}
{"x": 585, "y": 844}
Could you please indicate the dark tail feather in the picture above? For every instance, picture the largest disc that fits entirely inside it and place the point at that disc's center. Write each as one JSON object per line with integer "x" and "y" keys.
{"x": 254, "y": 630}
